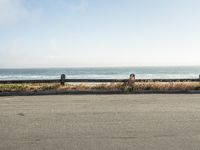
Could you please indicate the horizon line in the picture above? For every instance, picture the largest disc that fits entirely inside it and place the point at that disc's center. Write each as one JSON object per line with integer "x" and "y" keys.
{"x": 138, "y": 66}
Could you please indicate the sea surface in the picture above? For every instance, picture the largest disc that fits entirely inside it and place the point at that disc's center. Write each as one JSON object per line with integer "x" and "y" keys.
{"x": 102, "y": 73}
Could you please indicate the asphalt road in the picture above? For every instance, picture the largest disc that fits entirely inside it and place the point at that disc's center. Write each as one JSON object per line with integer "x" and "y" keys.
{"x": 100, "y": 122}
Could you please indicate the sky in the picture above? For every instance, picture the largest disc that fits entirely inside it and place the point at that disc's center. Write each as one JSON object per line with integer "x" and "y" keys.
{"x": 99, "y": 33}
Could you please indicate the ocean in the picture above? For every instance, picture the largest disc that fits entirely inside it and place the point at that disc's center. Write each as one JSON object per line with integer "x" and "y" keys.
{"x": 102, "y": 73}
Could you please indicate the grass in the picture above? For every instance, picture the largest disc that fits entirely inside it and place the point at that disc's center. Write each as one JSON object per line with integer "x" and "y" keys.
{"x": 138, "y": 86}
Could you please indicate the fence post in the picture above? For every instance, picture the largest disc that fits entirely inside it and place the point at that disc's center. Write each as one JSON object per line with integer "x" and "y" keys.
{"x": 62, "y": 79}
{"x": 132, "y": 78}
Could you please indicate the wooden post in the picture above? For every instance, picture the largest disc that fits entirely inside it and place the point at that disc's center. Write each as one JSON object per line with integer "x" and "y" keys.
{"x": 62, "y": 79}
{"x": 132, "y": 78}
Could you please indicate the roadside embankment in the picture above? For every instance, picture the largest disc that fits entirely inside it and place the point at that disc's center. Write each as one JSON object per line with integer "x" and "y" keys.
{"x": 99, "y": 88}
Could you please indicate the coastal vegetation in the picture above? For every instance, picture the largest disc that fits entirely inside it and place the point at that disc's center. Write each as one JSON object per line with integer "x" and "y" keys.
{"x": 126, "y": 87}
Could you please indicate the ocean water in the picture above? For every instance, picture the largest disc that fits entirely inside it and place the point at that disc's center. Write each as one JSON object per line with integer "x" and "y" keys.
{"x": 102, "y": 73}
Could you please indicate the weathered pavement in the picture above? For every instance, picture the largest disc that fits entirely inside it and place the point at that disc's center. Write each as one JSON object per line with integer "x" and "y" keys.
{"x": 98, "y": 122}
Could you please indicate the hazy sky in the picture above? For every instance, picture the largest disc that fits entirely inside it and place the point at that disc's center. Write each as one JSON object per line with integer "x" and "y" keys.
{"x": 77, "y": 33}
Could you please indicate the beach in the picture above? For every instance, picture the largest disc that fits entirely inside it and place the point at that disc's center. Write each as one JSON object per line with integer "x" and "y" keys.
{"x": 73, "y": 122}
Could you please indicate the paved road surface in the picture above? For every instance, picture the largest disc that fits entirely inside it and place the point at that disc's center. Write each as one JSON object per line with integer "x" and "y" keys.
{"x": 100, "y": 122}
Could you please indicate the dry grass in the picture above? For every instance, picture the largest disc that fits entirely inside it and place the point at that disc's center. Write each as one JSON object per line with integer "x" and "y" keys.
{"x": 156, "y": 86}
{"x": 27, "y": 87}
{"x": 165, "y": 86}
